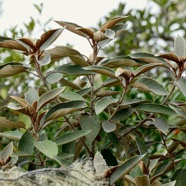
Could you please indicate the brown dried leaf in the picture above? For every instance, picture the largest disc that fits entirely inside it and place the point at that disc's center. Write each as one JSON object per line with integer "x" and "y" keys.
{"x": 4, "y": 123}
{"x": 111, "y": 23}
{"x": 71, "y": 27}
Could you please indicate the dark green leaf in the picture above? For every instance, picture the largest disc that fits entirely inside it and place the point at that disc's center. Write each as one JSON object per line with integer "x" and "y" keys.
{"x": 75, "y": 70}
{"x": 47, "y": 147}
{"x": 148, "y": 84}
{"x": 155, "y": 108}
{"x": 103, "y": 103}
{"x": 26, "y": 143}
{"x": 63, "y": 109}
{"x": 180, "y": 177}
{"x": 125, "y": 168}
{"x": 72, "y": 136}
{"x": 90, "y": 123}
{"x": 181, "y": 85}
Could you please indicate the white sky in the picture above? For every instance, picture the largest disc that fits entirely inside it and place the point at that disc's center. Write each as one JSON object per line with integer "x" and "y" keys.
{"x": 83, "y": 12}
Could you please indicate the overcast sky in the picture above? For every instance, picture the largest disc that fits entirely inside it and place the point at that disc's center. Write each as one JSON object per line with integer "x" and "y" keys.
{"x": 83, "y": 12}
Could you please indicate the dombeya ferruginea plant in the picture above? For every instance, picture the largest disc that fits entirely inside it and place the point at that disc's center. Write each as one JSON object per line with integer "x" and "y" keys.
{"x": 95, "y": 103}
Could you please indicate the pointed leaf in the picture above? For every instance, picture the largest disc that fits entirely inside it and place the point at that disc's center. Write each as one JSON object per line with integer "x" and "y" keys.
{"x": 27, "y": 43}
{"x": 48, "y": 38}
{"x": 26, "y": 143}
{"x": 148, "y": 84}
{"x": 47, "y": 97}
{"x": 87, "y": 31}
{"x": 11, "y": 70}
{"x": 72, "y": 136}
{"x": 103, "y": 103}
{"x": 125, "y": 168}
{"x": 72, "y": 27}
{"x": 78, "y": 60}
{"x": 63, "y": 109}
{"x": 146, "y": 68}
{"x": 181, "y": 85}
{"x": 171, "y": 57}
{"x": 155, "y": 108}
{"x": 119, "y": 62}
{"x": 90, "y": 123}
{"x": 47, "y": 147}
{"x": 59, "y": 52}
{"x": 180, "y": 47}
{"x": 7, "y": 151}
{"x": 4, "y": 123}
{"x": 99, "y": 164}
{"x": 101, "y": 70}
{"x": 72, "y": 96}
{"x": 112, "y": 22}
{"x": 12, "y": 135}
{"x": 108, "y": 126}
{"x": 31, "y": 96}
{"x": 21, "y": 101}
{"x": 73, "y": 70}
{"x": 122, "y": 114}
{"x": 10, "y": 43}
{"x": 70, "y": 84}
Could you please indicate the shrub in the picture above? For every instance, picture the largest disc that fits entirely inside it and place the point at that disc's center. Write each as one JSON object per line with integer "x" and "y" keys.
{"x": 108, "y": 109}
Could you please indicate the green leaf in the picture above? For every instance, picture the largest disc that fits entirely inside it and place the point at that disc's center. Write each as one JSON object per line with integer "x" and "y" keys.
{"x": 63, "y": 109}
{"x": 72, "y": 136}
{"x": 142, "y": 149}
{"x": 47, "y": 97}
{"x": 180, "y": 47}
{"x": 26, "y": 143}
{"x": 48, "y": 38}
{"x": 31, "y": 96}
{"x": 161, "y": 124}
{"x": 11, "y": 70}
{"x": 54, "y": 77}
{"x": 181, "y": 85}
{"x": 148, "y": 84}
{"x": 156, "y": 183}
{"x": 101, "y": 70}
{"x": 4, "y": 123}
{"x": 72, "y": 96}
{"x": 7, "y": 151}
{"x": 25, "y": 119}
{"x": 12, "y": 135}
{"x": 47, "y": 147}
{"x": 108, "y": 126}
{"x": 125, "y": 168}
{"x": 75, "y": 70}
{"x": 90, "y": 123}
{"x": 179, "y": 177}
{"x": 103, "y": 103}
{"x": 122, "y": 114}
{"x": 155, "y": 108}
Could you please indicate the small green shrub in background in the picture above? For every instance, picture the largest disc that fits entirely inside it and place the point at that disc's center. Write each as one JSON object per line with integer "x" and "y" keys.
{"x": 108, "y": 109}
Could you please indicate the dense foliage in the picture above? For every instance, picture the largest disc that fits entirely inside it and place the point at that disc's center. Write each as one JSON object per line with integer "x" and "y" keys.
{"x": 118, "y": 110}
